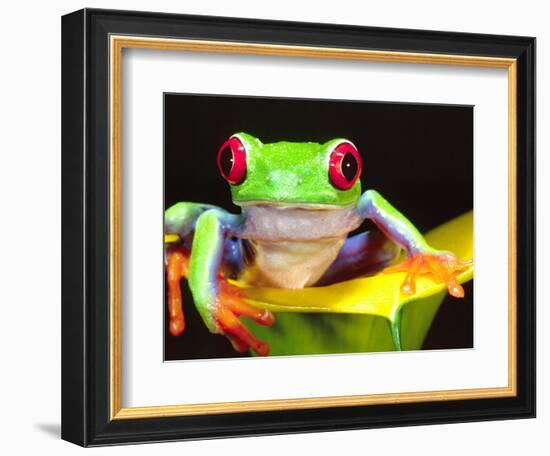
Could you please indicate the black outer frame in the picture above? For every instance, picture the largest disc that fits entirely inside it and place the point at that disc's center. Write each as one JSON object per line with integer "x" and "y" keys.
{"x": 85, "y": 227}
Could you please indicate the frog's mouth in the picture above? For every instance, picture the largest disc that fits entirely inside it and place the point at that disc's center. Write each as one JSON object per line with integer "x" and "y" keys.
{"x": 298, "y": 222}
{"x": 283, "y": 205}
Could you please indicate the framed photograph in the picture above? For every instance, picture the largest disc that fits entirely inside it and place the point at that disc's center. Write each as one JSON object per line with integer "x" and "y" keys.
{"x": 279, "y": 227}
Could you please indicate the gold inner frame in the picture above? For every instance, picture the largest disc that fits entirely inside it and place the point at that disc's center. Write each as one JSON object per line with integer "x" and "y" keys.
{"x": 117, "y": 44}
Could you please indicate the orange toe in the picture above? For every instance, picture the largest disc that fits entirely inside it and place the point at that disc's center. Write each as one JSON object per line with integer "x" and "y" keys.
{"x": 176, "y": 268}
{"x": 177, "y": 325}
{"x": 229, "y": 307}
{"x": 443, "y": 268}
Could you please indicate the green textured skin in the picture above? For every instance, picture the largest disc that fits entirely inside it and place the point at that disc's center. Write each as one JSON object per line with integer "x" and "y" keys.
{"x": 181, "y": 217}
{"x": 288, "y": 172}
{"x": 206, "y": 250}
{"x": 393, "y": 223}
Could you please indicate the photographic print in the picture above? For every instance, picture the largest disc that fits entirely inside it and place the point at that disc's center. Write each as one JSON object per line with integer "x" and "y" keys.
{"x": 311, "y": 226}
{"x": 293, "y": 204}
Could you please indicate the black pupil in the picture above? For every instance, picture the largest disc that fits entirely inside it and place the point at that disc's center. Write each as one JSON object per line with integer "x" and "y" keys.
{"x": 226, "y": 160}
{"x": 349, "y": 166}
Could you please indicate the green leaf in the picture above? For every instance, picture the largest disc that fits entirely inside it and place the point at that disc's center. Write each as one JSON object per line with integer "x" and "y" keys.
{"x": 360, "y": 315}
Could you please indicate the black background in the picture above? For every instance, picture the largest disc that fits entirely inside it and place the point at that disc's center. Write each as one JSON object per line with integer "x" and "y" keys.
{"x": 418, "y": 156}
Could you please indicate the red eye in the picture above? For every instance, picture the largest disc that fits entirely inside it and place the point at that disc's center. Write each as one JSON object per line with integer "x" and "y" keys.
{"x": 344, "y": 166}
{"x": 232, "y": 161}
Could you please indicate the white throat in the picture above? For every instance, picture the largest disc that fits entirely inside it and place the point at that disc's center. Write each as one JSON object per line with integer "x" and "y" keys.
{"x": 294, "y": 246}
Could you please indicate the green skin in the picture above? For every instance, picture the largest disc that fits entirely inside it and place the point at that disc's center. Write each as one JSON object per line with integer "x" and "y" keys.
{"x": 287, "y": 174}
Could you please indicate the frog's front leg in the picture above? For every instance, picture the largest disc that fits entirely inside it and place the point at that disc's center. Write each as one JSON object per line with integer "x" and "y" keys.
{"x": 218, "y": 302}
{"x": 421, "y": 258}
{"x": 179, "y": 223}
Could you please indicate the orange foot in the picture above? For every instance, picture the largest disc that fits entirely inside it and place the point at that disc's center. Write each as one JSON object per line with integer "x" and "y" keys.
{"x": 442, "y": 267}
{"x": 229, "y": 306}
{"x": 177, "y": 266}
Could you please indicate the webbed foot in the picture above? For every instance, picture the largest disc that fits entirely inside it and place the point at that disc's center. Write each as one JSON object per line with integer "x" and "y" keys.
{"x": 440, "y": 266}
{"x": 229, "y": 307}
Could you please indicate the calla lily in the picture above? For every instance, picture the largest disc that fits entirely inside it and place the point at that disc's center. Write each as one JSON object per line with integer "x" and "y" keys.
{"x": 362, "y": 315}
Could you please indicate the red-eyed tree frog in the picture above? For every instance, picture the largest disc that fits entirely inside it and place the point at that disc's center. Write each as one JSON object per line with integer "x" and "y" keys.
{"x": 299, "y": 202}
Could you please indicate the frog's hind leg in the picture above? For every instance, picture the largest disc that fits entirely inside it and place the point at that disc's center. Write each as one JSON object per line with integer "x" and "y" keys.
{"x": 363, "y": 254}
{"x": 177, "y": 266}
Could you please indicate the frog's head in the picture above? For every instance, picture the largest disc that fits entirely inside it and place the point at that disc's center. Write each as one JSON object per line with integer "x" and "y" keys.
{"x": 289, "y": 173}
